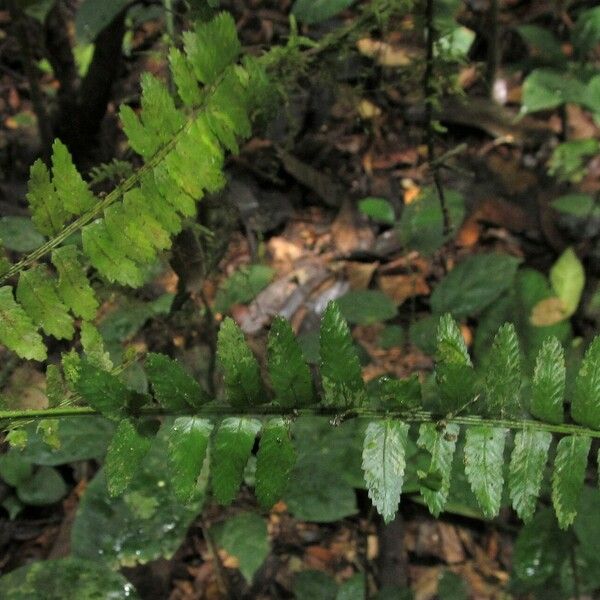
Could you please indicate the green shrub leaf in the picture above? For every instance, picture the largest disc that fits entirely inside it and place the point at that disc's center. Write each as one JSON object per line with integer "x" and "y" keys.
{"x": 383, "y": 463}
{"x": 240, "y": 368}
{"x": 585, "y": 407}
{"x": 125, "y": 452}
{"x": 366, "y": 307}
{"x": 378, "y": 209}
{"x": 45, "y": 487}
{"x": 568, "y": 279}
{"x": 568, "y": 476}
{"x": 173, "y": 388}
{"x": 232, "y": 446}
{"x": 527, "y": 463}
{"x": 188, "y": 439}
{"x": 441, "y": 444}
{"x": 343, "y": 385}
{"x": 484, "y": 461}
{"x": 290, "y": 375}
{"x": 274, "y": 462}
{"x": 503, "y": 374}
{"x": 548, "y": 384}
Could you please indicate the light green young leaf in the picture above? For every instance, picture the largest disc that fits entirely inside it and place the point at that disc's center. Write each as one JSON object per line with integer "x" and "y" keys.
{"x": 441, "y": 445}
{"x": 274, "y": 462}
{"x": 212, "y": 47}
{"x": 173, "y": 387}
{"x": 577, "y": 205}
{"x": 125, "y": 452}
{"x": 545, "y": 89}
{"x": 568, "y": 476}
{"x": 484, "y": 460}
{"x": 548, "y": 384}
{"x": 568, "y": 279}
{"x": 47, "y": 210}
{"x": 93, "y": 346}
{"x": 240, "y": 368}
{"x": 290, "y": 375}
{"x": 102, "y": 390}
{"x": 474, "y": 284}
{"x": 184, "y": 78}
{"x": 527, "y": 464}
{"x": 17, "y": 331}
{"x": 378, "y": 209}
{"x": 340, "y": 369}
{"x": 72, "y": 190}
{"x": 73, "y": 286}
{"x": 37, "y": 294}
{"x": 232, "y": 446}
{"x": 503, "y": 374}
{"x": 99, "y": 247}
{"x": 383, "y": 463}
{"x": 188, "y": 439}
{"x": 585, "y": 405}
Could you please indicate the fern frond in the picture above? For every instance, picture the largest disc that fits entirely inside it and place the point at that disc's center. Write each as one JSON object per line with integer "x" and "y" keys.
{"x": 484, "y": 462}
{"x": 548, "y": 384}
{"x": 47, "y": 212}
{"x": 585, "y": 407}
{"x": 229, "y": 454}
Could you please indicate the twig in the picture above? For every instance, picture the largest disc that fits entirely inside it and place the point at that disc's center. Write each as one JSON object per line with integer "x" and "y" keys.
{"x": 429, "y": 89}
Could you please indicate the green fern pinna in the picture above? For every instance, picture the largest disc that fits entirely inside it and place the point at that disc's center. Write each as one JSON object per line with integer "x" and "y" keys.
{"x": 183, "y": 142}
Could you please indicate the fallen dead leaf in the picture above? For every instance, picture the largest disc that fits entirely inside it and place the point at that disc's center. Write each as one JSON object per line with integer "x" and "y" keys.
{"x": 387, "y": 55}
{"x": 347, "y": 234}
{"x": 401, "y": 287}
{"x": 359, "y": 274}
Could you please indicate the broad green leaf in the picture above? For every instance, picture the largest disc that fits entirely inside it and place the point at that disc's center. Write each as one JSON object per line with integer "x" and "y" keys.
{"x": 290, "y": 375}
{"x": 422, "y": 333}
{"x": 586, "y": 33}
{"x": 383, "y": 462}
{"x": 72, "y": 190}
{"x": 212, "y": 46}
{"x": 188, "y": 439}
{"x": 15, "y": 468}
{"x": 503, "y": 375}
{"x": 527, "y": 463}
{"x": 242, "y": 286}
{"x": 19, "y": 234}
{"x": 378, "y": 209}
{"x": 244, "y": 536}
{"x": 440, "y": 443}
{"x": 93, "y": 347}
{"x": 274, "y": 462}
{"x": 539, "y": 549}
{"x": 125, "y": 453}
{"x": 47, "y": 211}
{"x": 100, "y": 248}
{"x": 577, "y": 205}
{"x": 545, "y": 89}
{"x": 484, "y": 461}
{"x": 92, "y": 18}
{"x": 474, "y": 284}
{"x": 146, "y": 523}
{"x": 80, "y": 439}
{"x": 312, "y": 584}
{"x": 17, "y": 331}
{"x": 102, "y": 390}
{"x": 340, "y": 370}
{"x": 38, "y": 295}
{"x": 184, "y": 78}
{"x": 314, "y": 11}
{"x": 567, "y": 479}
{"x": 452, "y": 587}
{"x": 421, "y": 225}
{"x": 240, "y": 368}
{"x": 546, "y": 47}
{"x": 65, "y": 578}
{"x": 585, "y": 405}
{"x": 231, "y": 449}
{"x": 366, "y": 307}
{"x": 548, "y": 384}
{"x": 173, "y": 388}
{"x": 353, "y": 588}
{"x": 392, "y": 336}
{"x": 73, "y": 286}
{"x": 45, "y": 487}
{"x": 568, "y": 279}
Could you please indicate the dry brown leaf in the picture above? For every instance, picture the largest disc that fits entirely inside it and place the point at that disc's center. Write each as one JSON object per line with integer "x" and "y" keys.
{"x": 548, "y": 312}
{"x": 387, "y": 55}
{"x": 401, "y": 287}
{"x": 359, "y": 274}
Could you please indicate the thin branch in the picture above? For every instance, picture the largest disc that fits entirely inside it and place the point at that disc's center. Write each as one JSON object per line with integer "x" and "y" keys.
{"x": 429, "y": 90}
{"x": 336, "y": 415}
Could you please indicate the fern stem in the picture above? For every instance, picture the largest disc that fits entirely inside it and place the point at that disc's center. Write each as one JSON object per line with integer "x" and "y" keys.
{"x": 335, "y": 414}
